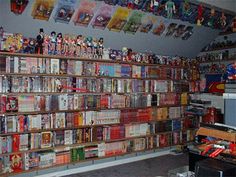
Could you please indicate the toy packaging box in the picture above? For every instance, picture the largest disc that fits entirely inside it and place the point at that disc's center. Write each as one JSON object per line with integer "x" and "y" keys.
{"x": 119, "y": 19}
{"x": 65, "y": 10}
{"x": 42, "y": 9}
{"x": 134, "y": 22}
{"x": 103, "y": 16}
{"x": 147, "y": 23}
{"x": 85, "y": 13}
{"x": 18, "y": 7}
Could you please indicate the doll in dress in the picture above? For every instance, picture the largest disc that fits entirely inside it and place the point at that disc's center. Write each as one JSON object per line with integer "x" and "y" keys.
{"x": 79, "y": 42}
{"x": 59, "y": 44}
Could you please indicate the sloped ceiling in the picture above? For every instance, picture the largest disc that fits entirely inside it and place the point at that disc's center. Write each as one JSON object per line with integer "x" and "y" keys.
{"x": 141, "y": 42}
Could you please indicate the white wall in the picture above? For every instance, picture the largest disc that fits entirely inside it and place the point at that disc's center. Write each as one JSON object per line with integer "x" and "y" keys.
{"x": 139, "y": 42}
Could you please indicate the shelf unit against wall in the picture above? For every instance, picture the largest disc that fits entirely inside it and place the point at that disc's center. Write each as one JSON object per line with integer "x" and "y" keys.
{"x": 59, "y": 110}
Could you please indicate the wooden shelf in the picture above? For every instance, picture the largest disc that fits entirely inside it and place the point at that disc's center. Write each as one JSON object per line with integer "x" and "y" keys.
{"x": 222, "y": 48}
{"x": 83, "y": 93}
{"x": 90, "y": 109}
{"x": 226, "y": 33}
{"x": 67, "y": 147}
{"x": 84, "y": 59}
{"x": 214, "y": 61}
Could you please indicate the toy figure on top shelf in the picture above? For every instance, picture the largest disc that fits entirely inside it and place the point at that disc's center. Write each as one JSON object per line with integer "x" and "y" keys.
{"x": 79, "y": 41}
{"x": 100, "y": 48}
{"x": 1, "y": 37}
{"x": 154, "y": 6}
{"x": 72, "y": 45}
{"x": 231, "y": 71}
{"x": 89, "y": 46}
{"x": 186, "y": 11}
{"x": 95, "y": 48}
{"x": 39, "y": 42}
{"x": 66, "y": 45}
{"x": 59, "y": 44}
{"x": 53, "y": 41}
{"x": 170, "y": 8}
{"x": 46, "y": 44}
{"x": 200, "y": 18}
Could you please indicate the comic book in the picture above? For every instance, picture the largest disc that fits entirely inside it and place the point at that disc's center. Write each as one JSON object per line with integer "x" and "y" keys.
{"x": 85, "y": 13}
{"x": 147, "y": 23}
{"x": 65, "y": 10}
{"x": 134, "y": 22}
{"x": 42, "y": 9}
{"x": 102, "y": 16}
{"x": 119, "y": 19}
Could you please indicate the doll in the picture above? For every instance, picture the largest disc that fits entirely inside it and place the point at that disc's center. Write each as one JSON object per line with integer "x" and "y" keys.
{"x": 130, "y": 4}
{"x": 46, "y": 45}
{"x": 89, "y": 45}
{"x": 154, "y": 6}
{"x": 79, "y": 41}
{"x": 212, "y": 18}
{"x": 59, "y": 44}
{"x": 170, "y": 8}
{"x": 223, "y": 20}
{"x": 199, "y": 16}
{"x": 72, "y": 45}
{"x": 66, "y": 45}
{"x": 53, "y": 40}
{"x": 39, "y": 42}
{"x": 100, "y": 47}
{"x": 95, "y": 48}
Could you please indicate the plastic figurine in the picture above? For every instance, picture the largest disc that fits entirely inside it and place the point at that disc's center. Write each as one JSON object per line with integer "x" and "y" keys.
{"x": 186, "y": 10}
{"x": 154, "y": 6}
{"x": 39, "y": 42}
{"x": 89, "y": 45}
{"x": 72, "y": 45}
{"x": 212, "y": 18}
{"x": 100, "y": 47}
{"x": 66, "y": 44}
{"x": 59, "y": 44}
{"x": 79, "y": 41}
{"x": 200, "y": 18}
{"x": 1, "y": 37}
{"x": 95, "y": 48}
{"x": 130, "y": 4}
{"x": 170, "y": 8}
{"x": 234, "y": 25}
{"x": 223, "y": 20}
{"x": 231, "y": 71}
{"x": 31, "y": 46}
{"x": 53, "y": 41}
{"x": 46, "y": 44}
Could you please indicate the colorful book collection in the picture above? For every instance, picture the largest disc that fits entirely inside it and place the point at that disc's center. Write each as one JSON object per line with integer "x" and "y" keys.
{"x": 47, "y": 158}
{"x": 77, "y": 102}
{"x": 58, "y": 111}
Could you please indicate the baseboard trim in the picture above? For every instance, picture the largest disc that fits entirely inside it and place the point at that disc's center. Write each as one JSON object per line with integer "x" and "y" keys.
{"x": 105, "y": 164}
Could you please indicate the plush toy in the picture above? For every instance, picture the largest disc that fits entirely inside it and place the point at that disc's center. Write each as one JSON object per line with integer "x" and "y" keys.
{"x": 170, "y": 8}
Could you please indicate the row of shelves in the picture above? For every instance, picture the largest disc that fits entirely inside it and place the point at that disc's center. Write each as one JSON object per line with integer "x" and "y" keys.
{"x": 32, "y": 161}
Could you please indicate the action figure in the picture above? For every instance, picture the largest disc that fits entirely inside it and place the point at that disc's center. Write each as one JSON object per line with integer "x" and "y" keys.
{"x": 223, "y": 20}
{"x": 39, "y": 42}
{"x": 59, "y": 44}
{"x": 199, "y": 16}
{"x": 79, "y": 41}
{"x": 170, "y": 8}
{"x": 53, "y": 41}
{"x": 100, "y": 47}
{"x": 212, "y": 18}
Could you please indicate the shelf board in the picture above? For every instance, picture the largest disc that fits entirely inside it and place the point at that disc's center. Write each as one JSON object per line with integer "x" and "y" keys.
{"x": 226, "y": 33}
{"x": 222, "y": 48}
{"x": 224, "y": 60}
{"x": 84, "y": 59}
{"x": 90, "y": 109}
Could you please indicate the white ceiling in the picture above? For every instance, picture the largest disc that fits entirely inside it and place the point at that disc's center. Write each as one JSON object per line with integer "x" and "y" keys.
{"x": 223, "y": 4}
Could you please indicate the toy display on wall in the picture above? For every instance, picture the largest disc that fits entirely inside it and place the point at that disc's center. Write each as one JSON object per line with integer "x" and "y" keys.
{"x": 147, "y": 23}
{"x": 18, "y": 6}
{"x": 102, "y": 16}
{"x": 134, "y": 22}
{"x": 188, "y": 33}
{"x": 171, "y": 29}
{"x": 160, "y": 28}
{"x": 42, "y": 9}
{"x": 179, "y": 31}
{"x": 65, "y": 10}
{"x": 119, "y": 19}
{"x": 85, "y": 13}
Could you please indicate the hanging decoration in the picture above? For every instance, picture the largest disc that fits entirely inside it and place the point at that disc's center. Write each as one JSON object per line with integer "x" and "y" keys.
{"x": 134, "y": 22}
{"x": 85, "y": 13}
{"x": 42, "y": 9}
{"x": 119, "y": 19}
{"x": 103, "y": 16}
{"x": 147, "y": 22}
{"x": 18, "y": 6}
{"x": 65, "y": 10}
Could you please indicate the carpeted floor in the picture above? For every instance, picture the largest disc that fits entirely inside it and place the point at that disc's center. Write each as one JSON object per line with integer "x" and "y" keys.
{"x": 154, "y": 167}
